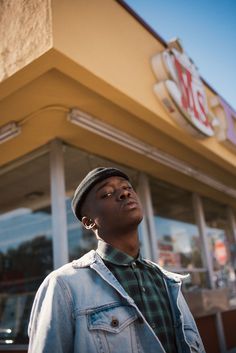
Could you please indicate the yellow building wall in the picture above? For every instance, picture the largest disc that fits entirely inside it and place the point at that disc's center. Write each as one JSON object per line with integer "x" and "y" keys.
{"x": 95, "y": 56}
{"x": 104, "y": 39}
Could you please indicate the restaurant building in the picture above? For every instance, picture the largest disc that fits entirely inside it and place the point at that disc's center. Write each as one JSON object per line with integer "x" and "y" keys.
{"x": 86, "y": 84}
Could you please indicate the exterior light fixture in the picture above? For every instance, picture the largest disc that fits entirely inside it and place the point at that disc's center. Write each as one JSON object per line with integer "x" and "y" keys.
{"x": 98, "y": 127}
{"x": 94, "y": 125}
{"x": 8, "y": 131}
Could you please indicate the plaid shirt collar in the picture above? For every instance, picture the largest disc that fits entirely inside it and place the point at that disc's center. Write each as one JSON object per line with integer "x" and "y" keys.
{"x": 115, "y": 256}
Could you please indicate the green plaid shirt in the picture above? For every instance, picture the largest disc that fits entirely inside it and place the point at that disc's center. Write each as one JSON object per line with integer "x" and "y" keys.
{"x": 144, "y": 284}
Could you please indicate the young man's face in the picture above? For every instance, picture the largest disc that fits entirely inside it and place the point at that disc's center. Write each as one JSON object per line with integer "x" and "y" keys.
{"x": 113, "y": 205}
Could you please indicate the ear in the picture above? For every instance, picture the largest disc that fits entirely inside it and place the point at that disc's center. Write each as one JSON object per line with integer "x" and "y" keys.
{"x": 88, "y": 223}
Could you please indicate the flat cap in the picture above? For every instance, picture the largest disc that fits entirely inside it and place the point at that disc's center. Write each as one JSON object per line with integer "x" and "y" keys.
{"x": 89, "y": 181}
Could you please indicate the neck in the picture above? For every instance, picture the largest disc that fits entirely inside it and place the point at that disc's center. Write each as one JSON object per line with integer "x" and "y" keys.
{"x": 125, "y": 242}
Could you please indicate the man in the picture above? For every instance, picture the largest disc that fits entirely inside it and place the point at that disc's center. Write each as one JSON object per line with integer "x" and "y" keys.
{"x": 111, "y": 299}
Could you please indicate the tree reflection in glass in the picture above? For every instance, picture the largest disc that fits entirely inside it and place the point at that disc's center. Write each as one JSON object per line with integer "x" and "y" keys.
{"x": 25, "y": 260}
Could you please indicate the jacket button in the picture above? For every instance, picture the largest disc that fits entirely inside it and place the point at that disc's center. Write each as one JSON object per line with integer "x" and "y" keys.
{"x": 114, "y": 322}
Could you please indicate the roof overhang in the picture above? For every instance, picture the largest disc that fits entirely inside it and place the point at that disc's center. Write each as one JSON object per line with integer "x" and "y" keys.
{"x": 87, "y": 67}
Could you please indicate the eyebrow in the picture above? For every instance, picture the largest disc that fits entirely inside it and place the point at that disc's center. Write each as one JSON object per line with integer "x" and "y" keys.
{"x": 102, "y": 186}
{"x": 111, "y": 184}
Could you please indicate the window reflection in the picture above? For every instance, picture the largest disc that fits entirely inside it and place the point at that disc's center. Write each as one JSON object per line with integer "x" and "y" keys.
{"x": 178, "y": 239}
{"x": 25, "y": 259}
{"x": 80, "y": 240}
{"x": 25, "y": 243}
{"x": 178, "y": 244}
{"x": 221, "y": 245}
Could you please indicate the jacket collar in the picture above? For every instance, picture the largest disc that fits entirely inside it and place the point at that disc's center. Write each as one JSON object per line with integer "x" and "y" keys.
{"x": 85, "y": 261}
{"x": 113, "y": 255}
{"x": 92, "y": 256}
{"x": 176, "y": 277}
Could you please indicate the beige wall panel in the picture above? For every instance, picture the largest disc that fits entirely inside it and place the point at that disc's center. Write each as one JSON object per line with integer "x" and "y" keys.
{"x": 25, "y": 32}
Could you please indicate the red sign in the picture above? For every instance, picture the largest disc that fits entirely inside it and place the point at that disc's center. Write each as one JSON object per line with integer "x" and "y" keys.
{"x": 220, "y": 252}
{"x": 181, "y": 90}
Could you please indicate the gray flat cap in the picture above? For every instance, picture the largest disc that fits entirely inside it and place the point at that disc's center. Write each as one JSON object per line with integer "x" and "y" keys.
{"x": 90, "y": 180}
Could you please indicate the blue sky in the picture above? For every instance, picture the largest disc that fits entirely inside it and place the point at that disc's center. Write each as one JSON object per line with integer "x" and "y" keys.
{"x": 207, "y": 30}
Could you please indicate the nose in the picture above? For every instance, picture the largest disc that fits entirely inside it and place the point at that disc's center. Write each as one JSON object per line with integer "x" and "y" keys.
{"x": 124, "y": 193}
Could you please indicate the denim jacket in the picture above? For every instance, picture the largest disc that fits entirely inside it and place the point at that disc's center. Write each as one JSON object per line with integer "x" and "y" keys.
{"x": 82, "y": 308}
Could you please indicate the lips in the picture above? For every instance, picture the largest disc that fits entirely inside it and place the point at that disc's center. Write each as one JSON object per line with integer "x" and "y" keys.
{"x": 131, "y": 204}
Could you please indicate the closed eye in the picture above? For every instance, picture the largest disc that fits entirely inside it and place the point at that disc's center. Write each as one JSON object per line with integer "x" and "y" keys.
{"x": 127, "y": 187}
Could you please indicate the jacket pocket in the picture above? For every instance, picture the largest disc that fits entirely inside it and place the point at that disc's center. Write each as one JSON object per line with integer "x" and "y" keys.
{"x": 111, "y": 318}
{"x": 193, "y": 339}
{"x": 112, "y": 328}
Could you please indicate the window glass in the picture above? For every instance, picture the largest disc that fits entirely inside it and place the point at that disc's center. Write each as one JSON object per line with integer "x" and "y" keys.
{"x": 221, "y": 245}
{"x": 25, "y": 245}
{"x": 178, "y": 240}
{"x": 80, "y": 240}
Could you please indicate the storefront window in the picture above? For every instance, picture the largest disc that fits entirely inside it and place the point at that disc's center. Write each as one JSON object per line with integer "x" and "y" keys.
{"x": 221, "y": 245}
{"x": 80, "y": 240}
{"x": 25, "y": 245}
{"x": 178, "y": 240}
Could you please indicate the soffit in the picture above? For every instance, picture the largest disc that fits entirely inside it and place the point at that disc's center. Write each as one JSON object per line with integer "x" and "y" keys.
{"x": 42, "y": 106}
{"x": 109, "y": 62}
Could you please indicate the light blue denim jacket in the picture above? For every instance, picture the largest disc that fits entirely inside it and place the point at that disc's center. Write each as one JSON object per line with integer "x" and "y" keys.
{"x": 82, "y": 308}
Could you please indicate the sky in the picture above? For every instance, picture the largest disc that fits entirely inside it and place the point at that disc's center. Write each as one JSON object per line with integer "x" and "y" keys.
{"x": 207, "y": 30}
